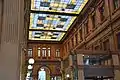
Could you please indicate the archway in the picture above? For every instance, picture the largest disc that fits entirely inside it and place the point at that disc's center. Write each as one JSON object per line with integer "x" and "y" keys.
{"x": 44, "y": 73}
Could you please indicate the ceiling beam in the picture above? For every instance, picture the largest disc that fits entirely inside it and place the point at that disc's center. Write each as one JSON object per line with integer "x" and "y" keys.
{"x": 43, "y": 41}
{"x": 54, "y": 13}
{"x": 47, "y": 30}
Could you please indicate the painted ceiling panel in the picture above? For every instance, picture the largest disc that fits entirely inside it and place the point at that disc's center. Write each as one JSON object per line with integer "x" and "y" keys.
{"x": 62, "y": 6}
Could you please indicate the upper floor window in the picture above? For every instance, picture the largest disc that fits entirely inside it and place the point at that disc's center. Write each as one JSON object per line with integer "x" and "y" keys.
{"x": 93, "y": 18}
{"x": 39, "y": 52}
{"x": 72, "y": 41}
{"x": 102, "y": 11}
{"x": 30, "y": 52}
{"x": 118, "y": 40}
{"x": 106, "y": 45}
{"x": 97, "y": 47}
{"x": 57, "y": 52}
{"x": 116, "y": 3}
{"x": 49, "y": 52}
{"x": 68, "y": 45}
{"x": 76, "y": 38}
{"x": 86, "y": 27}
{"x": 80, "y": 32}
{"x": 44, "y": 52}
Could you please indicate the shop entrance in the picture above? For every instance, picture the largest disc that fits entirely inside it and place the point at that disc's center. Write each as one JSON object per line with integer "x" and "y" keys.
{"x": 99, "y": 78}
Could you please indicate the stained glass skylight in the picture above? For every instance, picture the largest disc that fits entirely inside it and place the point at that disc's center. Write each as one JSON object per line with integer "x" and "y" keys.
{"x": 62, "y": 6}
{"x": 50, "y": 21}
{"x": 45, "y": 35}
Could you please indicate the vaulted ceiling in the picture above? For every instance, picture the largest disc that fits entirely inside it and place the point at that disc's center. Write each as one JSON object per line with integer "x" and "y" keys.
{"x": 51, "y": 19}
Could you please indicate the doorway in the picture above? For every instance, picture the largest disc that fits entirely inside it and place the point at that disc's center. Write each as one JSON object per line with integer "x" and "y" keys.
{"x": 99, "y": 78}
{"x": 44, "y": 73}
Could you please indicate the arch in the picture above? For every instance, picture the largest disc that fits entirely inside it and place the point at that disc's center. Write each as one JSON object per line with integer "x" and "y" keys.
{"x": 44, "y": 66}
{"x": 42, "y": 74}
{"x": 46, "y": 71}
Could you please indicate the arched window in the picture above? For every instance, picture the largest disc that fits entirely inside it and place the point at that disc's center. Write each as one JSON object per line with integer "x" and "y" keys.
{"x": 42, "y": 74}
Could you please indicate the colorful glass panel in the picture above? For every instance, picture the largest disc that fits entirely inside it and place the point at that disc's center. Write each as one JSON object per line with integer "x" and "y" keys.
{"x": 46, "y": 25}
{"x": 63, "y": 6}
{"x": 45, "y": 35}
{"x": 50, "y": 21}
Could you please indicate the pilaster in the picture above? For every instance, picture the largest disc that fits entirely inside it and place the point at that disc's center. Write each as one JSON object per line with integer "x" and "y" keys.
{"x": 12, "y": 39}
{"x": 1, "y": 14}
{"x": 80, "y": 62}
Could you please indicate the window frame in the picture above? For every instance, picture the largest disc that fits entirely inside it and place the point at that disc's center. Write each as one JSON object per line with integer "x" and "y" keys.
{"x": 93, "y": 18}
{"x": 104, "y": 46}
{"x": 39, "y": 54}
{"x": 102, "y": 11}
{"x": 86, "y": 27}
{"x": 68, "y": 45}
{"x": 76, "y": 38}
{"x": 72, "y": 42}
{"x": 44, "y": 52}
{"x": 30, "y": 52}
{"x": 57, "y": 52}
{"x": 118, "y": 47}
{"x": 49, "y": 51}
{"x": 114, "y": 4}
{"x": 80, "y": 34}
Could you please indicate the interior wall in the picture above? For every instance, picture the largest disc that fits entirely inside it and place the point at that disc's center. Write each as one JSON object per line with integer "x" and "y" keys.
{"x": 53, "y": 48}
{"x": 52, "y": 62}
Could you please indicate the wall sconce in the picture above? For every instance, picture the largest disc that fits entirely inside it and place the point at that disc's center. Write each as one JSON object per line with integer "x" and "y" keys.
{"x": 30, "y": 67}
{"x": 67, "y": 75}
{"x": 28, "y": 74}
{"x": 31, "y": 61}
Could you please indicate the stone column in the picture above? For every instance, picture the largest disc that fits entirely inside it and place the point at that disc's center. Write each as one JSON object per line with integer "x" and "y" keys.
{"x": 11, "y": 39}
{"x": 80, "y": 59}
{"x": 80, "y": 63}
{"x": 106, "y": 62}
{"x": 117, "y": 74}
{"x": 22, "y": 65}
{"x": 115, "y": 60}
{"x": 62, "y": 70}
{"x": 70, "y": 60}
{"x": 109, "y": 62}
{"x": 80, "y": 74}
{"x": 116, "y": 63}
